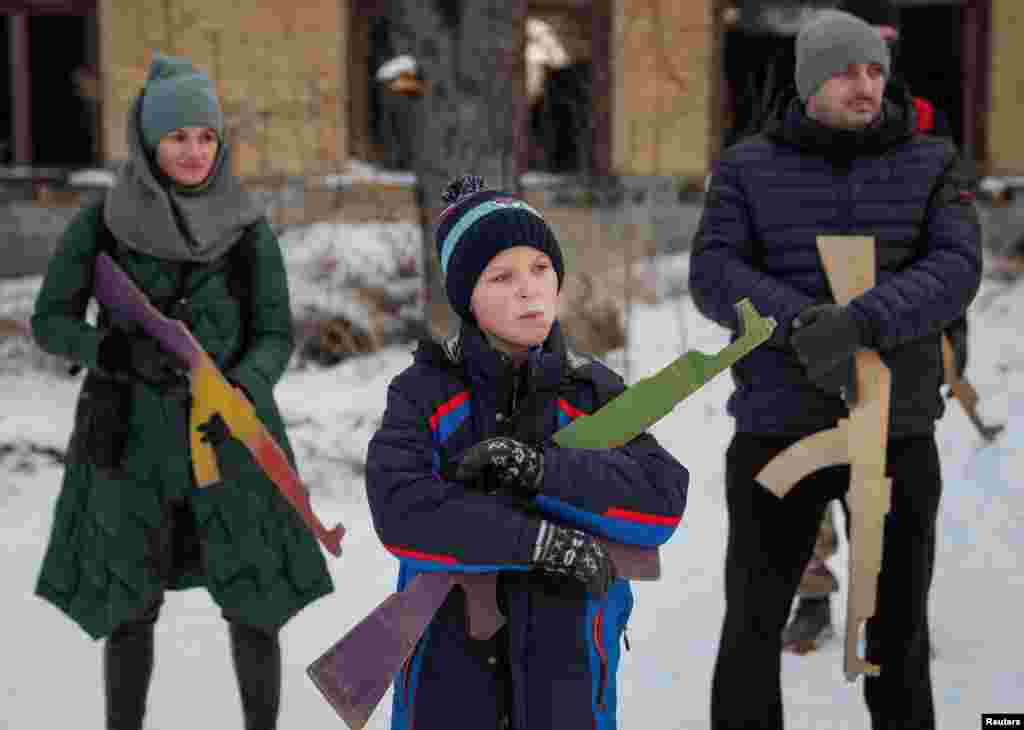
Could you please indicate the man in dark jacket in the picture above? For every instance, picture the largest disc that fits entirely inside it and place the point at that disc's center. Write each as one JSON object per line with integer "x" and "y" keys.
{"x": 839, "y": 161}
{"x": 811, "y": 623}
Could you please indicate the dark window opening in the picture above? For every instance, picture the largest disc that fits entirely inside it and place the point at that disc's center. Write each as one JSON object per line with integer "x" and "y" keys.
{"x": 380, "y": 117}
{"x": 560, "y": 91}
{"x": 390, "y": 113}
{"x": 49, "y": 87}
{"x": 929, "y": 56}
{"x": 63, "y": 90}
{"x": 561, "y": 125}
{"x": 759, "y": 69}
{"x": 759, "y": 60}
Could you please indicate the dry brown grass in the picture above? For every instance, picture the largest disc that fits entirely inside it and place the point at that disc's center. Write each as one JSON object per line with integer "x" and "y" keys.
{"x": 14, "y": 328}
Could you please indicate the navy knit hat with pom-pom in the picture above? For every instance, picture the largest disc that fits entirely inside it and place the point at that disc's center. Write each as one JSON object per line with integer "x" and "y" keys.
{"x": 479, "y": 224}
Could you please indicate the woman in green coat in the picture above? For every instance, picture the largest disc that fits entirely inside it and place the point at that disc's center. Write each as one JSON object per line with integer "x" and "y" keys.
{"x": 130, "y": 522}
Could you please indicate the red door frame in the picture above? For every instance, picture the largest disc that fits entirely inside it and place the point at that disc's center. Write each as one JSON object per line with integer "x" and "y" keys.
{"x": 976, "y": 48}
{"x": 21, "y": 90}
{"x": 601, "y": 30}
{"x": 47, "y": 7}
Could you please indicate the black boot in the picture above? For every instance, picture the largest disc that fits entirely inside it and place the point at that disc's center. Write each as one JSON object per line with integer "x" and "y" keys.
{"x": 257, "y": 658}
{"x": 127, "y": 669}
{"x": 811, "y": 625}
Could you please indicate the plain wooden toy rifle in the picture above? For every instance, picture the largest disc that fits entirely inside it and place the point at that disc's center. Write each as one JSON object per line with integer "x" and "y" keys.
{"x": 859, "y": 441}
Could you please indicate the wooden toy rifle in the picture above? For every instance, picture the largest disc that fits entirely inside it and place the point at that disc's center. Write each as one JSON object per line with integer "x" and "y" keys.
{"x": 859, "y": 441}
{"x": 961, "y": 389}
{"x": 211, "y": 393}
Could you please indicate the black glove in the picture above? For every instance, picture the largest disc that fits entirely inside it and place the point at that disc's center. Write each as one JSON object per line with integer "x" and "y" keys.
{"x": 841, "y": 381}
{"x": 514, "y": 466}
{"x": 574, "y": 554}
{"x": 139, "y": 356}
{"x": 101, "y": 424}
{"x": 215, "y": 432}
{"x": 825, "y": 338}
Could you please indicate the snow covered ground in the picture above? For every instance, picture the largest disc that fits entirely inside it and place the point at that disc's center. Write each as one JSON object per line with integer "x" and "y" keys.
{"x": 50, "y": 671}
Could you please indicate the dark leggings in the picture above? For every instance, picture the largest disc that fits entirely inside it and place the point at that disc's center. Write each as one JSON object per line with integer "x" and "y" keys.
{"x": 128, "y": 668}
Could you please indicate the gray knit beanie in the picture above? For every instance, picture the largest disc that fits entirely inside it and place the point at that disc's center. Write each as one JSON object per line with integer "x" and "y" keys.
{"x": 177, "y": 95}
{"x": 829, "y": 43}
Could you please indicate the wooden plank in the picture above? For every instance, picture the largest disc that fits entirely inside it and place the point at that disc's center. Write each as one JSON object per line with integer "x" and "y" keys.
{"x": 965, "y": 393}
{"x": 21, "y": 90}
{"x": 849, "y": 263}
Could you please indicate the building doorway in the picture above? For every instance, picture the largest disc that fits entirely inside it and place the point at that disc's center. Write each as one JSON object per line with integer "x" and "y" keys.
{"x": 943, "y": 54}
{"x": 930, "y": 57}
{"x": 50, "y": 100}
{"x": 63, "y": 90}
{"x": 559, "y": 78}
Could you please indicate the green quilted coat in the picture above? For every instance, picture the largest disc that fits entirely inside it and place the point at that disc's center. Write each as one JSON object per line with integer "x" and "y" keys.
{"x": 107, "y": 555}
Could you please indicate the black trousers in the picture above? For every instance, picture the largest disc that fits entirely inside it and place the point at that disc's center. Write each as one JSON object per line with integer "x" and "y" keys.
{"x": 128, "y": 668}
{"x": 128, "y": 652}
{"x": 770, "y": 540}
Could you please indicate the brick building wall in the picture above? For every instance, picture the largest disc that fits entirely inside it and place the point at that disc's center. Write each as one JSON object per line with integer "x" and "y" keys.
{"x": 662, "y": 73}
{"x": 282, "y": 68}
{"x": 277, "y": 65}
{"x": 1006, "y": 113}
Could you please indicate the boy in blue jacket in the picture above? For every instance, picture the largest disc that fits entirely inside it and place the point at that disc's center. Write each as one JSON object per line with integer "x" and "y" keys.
{"x": 463, "y": 476}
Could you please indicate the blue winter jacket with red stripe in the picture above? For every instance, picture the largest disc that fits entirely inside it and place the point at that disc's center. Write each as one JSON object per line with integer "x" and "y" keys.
{"x": 554, "y": 665}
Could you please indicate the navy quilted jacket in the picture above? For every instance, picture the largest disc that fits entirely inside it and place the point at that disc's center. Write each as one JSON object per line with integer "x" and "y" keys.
{"x": 768, "y": 200}
{"x": 558, "y": 662}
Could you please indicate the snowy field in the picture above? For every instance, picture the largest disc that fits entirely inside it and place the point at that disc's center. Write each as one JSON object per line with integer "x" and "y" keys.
{"x": 50, "y": 670}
